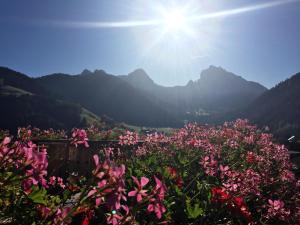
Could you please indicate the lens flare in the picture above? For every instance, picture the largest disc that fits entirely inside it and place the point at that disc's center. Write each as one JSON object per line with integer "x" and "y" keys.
{"x": 175, "y": 20}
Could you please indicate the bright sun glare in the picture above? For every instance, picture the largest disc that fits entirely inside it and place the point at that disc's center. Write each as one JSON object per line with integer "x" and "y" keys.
{"x": 175, "y": 20}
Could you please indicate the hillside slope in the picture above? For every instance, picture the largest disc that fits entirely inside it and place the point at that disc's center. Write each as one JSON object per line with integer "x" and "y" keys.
{"x": 278, "y": 108}
{"x": 24, "y": 102}
{"x": 105, "y": 94}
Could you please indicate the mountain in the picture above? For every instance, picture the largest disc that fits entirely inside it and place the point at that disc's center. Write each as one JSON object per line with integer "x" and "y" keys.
{"x": 24, "y": 102}
{"x": 217, "y": 91}
{"x": 278, "y": 108}
{"x": 134, "y": 98}
{"x": 20, "y": 80}
{"x": 105, "y": 94}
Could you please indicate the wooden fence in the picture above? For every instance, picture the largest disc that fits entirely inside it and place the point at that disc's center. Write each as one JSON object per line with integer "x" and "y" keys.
{"x": 65, "y": 158}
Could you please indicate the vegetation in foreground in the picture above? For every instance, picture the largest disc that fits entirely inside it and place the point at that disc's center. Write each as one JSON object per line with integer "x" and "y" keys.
{"x": 232, "y": 174}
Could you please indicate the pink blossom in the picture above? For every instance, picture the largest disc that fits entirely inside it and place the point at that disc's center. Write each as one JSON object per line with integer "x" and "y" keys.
{"x": 44, "y": 211}
{"x": 52, "y": 180}
{"x": 61, "y": 214}
{"x": 276, "y": 209}
{"x": 60, "y": 182}
{"x": 79, "y": 137}
{"x": 130, "y": 138}
{"x": 224, "y": 170}
{"x": 6, "y": 141}
{"x": 160, "y": 189}
{"x": 139, "y": 192}
{"x": 114, "y": 218}
{"x": 210, "y": 165}
{"x": 141, "y": 151}
{"x": 287, "y": 175}
{"x": 157, "y": 207}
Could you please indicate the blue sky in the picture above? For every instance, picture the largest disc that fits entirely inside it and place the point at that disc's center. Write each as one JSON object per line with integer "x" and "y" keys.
{"x": 43, "y": 37}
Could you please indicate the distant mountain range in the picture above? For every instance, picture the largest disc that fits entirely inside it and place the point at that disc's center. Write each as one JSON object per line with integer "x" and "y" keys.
{"x": 216, "y": 92}
{"x": 62, "y": 100}
{"x": 105, "y": 94}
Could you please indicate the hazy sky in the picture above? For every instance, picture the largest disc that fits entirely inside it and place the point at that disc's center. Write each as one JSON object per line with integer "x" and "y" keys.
{"x": 259, "y": 40}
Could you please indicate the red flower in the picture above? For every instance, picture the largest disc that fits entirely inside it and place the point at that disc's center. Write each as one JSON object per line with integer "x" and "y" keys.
{"x": 172, "y": 172}
{"x": 179, "y": 182}
{"x": 86, "y": 221}
{"x": 250, "y": 157}
{"x": 219, "y": 195}
{"x": 238, "y": 205}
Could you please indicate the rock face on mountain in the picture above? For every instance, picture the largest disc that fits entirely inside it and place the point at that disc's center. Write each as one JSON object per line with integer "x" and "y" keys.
{"x": 278, "y": 108}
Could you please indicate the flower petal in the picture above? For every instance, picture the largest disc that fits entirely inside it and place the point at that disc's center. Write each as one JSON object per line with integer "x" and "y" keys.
{"x": 144, "y": 181}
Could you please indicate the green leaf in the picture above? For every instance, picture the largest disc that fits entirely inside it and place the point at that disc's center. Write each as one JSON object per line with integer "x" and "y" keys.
{"x": 193, "y": 211}
{"x": 38, "y": 195}
{"x": 178, "y": 190}
{"x": 66, "y": 195}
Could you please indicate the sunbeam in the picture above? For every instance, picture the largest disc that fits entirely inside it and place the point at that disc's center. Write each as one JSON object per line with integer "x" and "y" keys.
{"x": 178, "y": 18}
{"x": 241, "y": 10}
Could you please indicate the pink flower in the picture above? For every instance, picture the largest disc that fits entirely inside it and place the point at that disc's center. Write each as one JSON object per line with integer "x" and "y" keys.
{"x": 98, "y": 198}
{"x": 210, "y": 165}
{"x": 60, "y": 182}
{"x": 6, "y": 141}
{"x": 52, "y": 180}
{"x": 139, "y": 192}
{"x": 96, "y": 160}
{"x": 160, "y": 189}
{"x": 44, "y": 211}
{"x": 61, "y": 215}
{"x": 276, "y": 209}
{"x": 157, "y": 207}
{"x": 275, "y": 205}
{"x": 224, "y": 170}
{"x": 287, "y": 175}
{"x": 79, "y": 137}
{"x": 37, "y": 164}
{"x": 114, "y": 218}
{"x": 130, "y": 138}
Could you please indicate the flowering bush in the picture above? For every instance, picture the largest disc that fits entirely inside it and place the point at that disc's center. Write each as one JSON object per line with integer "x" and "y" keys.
{"x": 232, "y": 174}
{"x": 36, "y": 133}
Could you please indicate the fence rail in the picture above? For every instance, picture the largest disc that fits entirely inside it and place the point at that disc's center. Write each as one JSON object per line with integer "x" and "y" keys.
{"x": 65, "y": 158}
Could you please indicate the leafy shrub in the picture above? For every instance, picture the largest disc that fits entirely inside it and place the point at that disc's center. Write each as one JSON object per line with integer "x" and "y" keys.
{"x": 232, "y": 174}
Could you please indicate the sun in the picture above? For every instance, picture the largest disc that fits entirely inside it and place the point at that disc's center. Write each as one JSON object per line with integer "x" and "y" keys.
{"x": 175, "y": 20}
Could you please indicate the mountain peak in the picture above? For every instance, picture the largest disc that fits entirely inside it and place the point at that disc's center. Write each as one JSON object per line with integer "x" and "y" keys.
{"x": 140, "y": 75}
{"x": 219, "y": 68}
{"x": 138, "y": 72}
{"x": 214, "y": 72}
{"x": 86, "y": 72}
{"x": 100, "y": 72}
{"x": 217, "y": 78}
